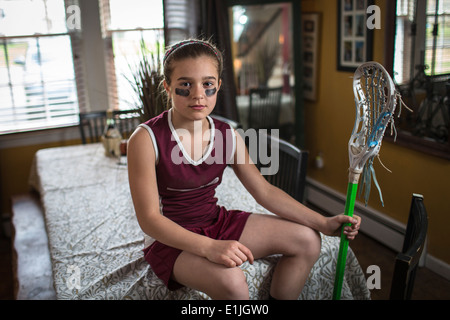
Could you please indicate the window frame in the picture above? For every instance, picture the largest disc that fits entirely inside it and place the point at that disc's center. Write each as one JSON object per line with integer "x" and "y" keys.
{"x": 108, "y": 34}
{"x": 403, "y": 137}
{"x": 75, "y": 50}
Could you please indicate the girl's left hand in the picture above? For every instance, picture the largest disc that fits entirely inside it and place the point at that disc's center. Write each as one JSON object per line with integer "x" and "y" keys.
{"x": 334, "y": 226}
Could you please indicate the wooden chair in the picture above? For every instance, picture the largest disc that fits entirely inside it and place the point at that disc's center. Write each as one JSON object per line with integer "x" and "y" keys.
{"x": 264, "y": 108}
{"x": 92, "y": 124}
{"x": 406, "y": 262}
{"x": 292, "y": 164}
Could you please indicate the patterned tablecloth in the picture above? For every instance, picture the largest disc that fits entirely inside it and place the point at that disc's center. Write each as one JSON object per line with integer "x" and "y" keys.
{"x": 96, "y": 243}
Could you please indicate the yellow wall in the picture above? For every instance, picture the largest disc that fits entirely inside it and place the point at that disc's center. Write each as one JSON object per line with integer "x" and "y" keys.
{"x": 15, "y": 164}
{"x": 329, "y": 122}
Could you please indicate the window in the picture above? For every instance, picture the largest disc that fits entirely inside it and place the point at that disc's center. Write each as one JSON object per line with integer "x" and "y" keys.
{"x": 404, "y": 40}
{"x": 37, "y": 78}
{"x": 437, "y": 37}
{"x": 422, "y": 39}
{"x": 126, "y": 25}
{"x": 421, "y": 70}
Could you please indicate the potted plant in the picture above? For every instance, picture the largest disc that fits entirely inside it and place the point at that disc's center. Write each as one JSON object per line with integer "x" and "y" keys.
{"x": 146, "y": 81}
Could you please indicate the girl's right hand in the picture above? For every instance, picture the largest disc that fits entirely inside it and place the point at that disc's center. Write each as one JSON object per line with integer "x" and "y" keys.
{"x": 230, "y": 253}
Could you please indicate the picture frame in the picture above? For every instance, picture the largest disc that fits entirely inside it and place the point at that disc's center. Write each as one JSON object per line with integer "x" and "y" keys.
{"x": 310, "y": 53}
{"x": 355, "y": 39}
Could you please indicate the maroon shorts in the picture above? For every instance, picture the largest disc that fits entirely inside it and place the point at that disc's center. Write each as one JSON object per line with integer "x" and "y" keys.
{"x": 228, "y": 226}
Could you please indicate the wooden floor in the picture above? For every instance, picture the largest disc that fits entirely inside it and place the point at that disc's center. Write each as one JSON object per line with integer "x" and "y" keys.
{"x": 428, "y": 285}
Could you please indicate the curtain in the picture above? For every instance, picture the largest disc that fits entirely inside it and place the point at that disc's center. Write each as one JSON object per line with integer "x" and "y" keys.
{"x": 215, "y": 25}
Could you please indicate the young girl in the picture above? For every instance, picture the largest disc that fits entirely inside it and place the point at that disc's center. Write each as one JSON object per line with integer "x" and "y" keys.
{"x": 173, "y": 179}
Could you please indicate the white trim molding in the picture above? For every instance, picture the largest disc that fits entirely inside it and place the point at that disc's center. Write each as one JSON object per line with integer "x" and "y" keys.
{"x": 377, "y": 225}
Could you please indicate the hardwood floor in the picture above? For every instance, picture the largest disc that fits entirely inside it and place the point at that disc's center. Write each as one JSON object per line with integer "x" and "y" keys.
{"x": 428, "y": 286}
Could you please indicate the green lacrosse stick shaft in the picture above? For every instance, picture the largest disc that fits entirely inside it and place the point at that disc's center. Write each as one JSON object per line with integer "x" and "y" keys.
{"x": 343, "y": 246}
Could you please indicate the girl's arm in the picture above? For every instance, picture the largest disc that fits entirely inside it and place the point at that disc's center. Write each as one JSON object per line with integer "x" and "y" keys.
{"x": 277, "y": 201}
{"x": 144, "y": 192}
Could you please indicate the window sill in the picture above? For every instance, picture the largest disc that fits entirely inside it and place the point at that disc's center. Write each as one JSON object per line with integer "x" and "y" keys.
{"x": 40, "y": 136}
{"x": 426, "y": 146}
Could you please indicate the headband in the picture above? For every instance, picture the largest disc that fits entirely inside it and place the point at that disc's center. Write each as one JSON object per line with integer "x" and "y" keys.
{"x": 186, "y": 43}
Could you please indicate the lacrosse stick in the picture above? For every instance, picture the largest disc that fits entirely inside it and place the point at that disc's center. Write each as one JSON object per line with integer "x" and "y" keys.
{"x": 375, "y": 100}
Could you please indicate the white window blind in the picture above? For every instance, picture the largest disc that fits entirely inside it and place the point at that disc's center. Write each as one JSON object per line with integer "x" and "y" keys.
{"x": 181, "y": 20}
{"x": 38, "y": 87}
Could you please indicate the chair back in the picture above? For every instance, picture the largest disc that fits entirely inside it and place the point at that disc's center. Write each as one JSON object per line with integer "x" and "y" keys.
{"x": 127, "y": 121}
{"x": 290, "y": 175}
{"x": 264, "y": 108}
{"x": 232, "y": 123}
{"x": 406, "y": 262}
{"x": 92, "y": 124}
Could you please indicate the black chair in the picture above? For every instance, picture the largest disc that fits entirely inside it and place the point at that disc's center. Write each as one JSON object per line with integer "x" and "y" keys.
{"x": 92, "y": 124}
{"x": 232, "y": 123}
{"x": 127, "y": 121}
{"x": 406, "y": 262}
{"x": 264, "y": 108}
{"x": 290, "y": 175}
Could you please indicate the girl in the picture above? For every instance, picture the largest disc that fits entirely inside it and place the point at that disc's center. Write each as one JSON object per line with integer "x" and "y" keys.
{"x": 198, "y": 243}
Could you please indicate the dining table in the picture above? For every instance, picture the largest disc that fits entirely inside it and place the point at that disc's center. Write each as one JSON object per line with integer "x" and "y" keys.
{"x": 96, "y": 244}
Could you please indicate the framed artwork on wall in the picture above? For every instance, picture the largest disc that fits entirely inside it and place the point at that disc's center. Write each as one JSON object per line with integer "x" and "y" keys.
{"x": 310, "y": 53}
{"x": 354, "y": 36}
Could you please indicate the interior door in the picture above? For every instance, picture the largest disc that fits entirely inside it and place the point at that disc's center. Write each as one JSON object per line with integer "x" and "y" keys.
{"x": 264, "y": 44}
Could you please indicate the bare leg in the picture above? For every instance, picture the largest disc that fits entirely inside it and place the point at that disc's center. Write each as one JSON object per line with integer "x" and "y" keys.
{"x": 217, "y": 281}
{"x": 300, "y": 246}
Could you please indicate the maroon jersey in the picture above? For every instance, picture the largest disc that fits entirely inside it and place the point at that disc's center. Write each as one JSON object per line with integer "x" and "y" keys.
{"x": 187, "y": 187}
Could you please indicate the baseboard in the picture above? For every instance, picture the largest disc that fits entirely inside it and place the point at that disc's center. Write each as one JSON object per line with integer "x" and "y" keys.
{"x": 438, "y": 266}
{"x": 376, "y": 224}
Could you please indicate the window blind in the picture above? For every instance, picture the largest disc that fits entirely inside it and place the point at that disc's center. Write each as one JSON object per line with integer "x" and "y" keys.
{"x": 180, "y": 20}
{"x": 38, "y": 85}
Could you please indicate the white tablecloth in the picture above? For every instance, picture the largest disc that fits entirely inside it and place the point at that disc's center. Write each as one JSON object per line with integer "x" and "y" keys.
{"x": 96, "y": 243}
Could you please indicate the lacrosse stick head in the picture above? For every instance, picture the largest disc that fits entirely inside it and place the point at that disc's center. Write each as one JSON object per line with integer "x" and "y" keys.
{"x": 375, "y": 101}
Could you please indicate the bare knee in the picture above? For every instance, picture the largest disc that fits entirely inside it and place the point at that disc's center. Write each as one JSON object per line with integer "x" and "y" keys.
{"x": 308, "y": 245}
{"x": 231, "y": 285}
{"x": 314, "y": 245}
